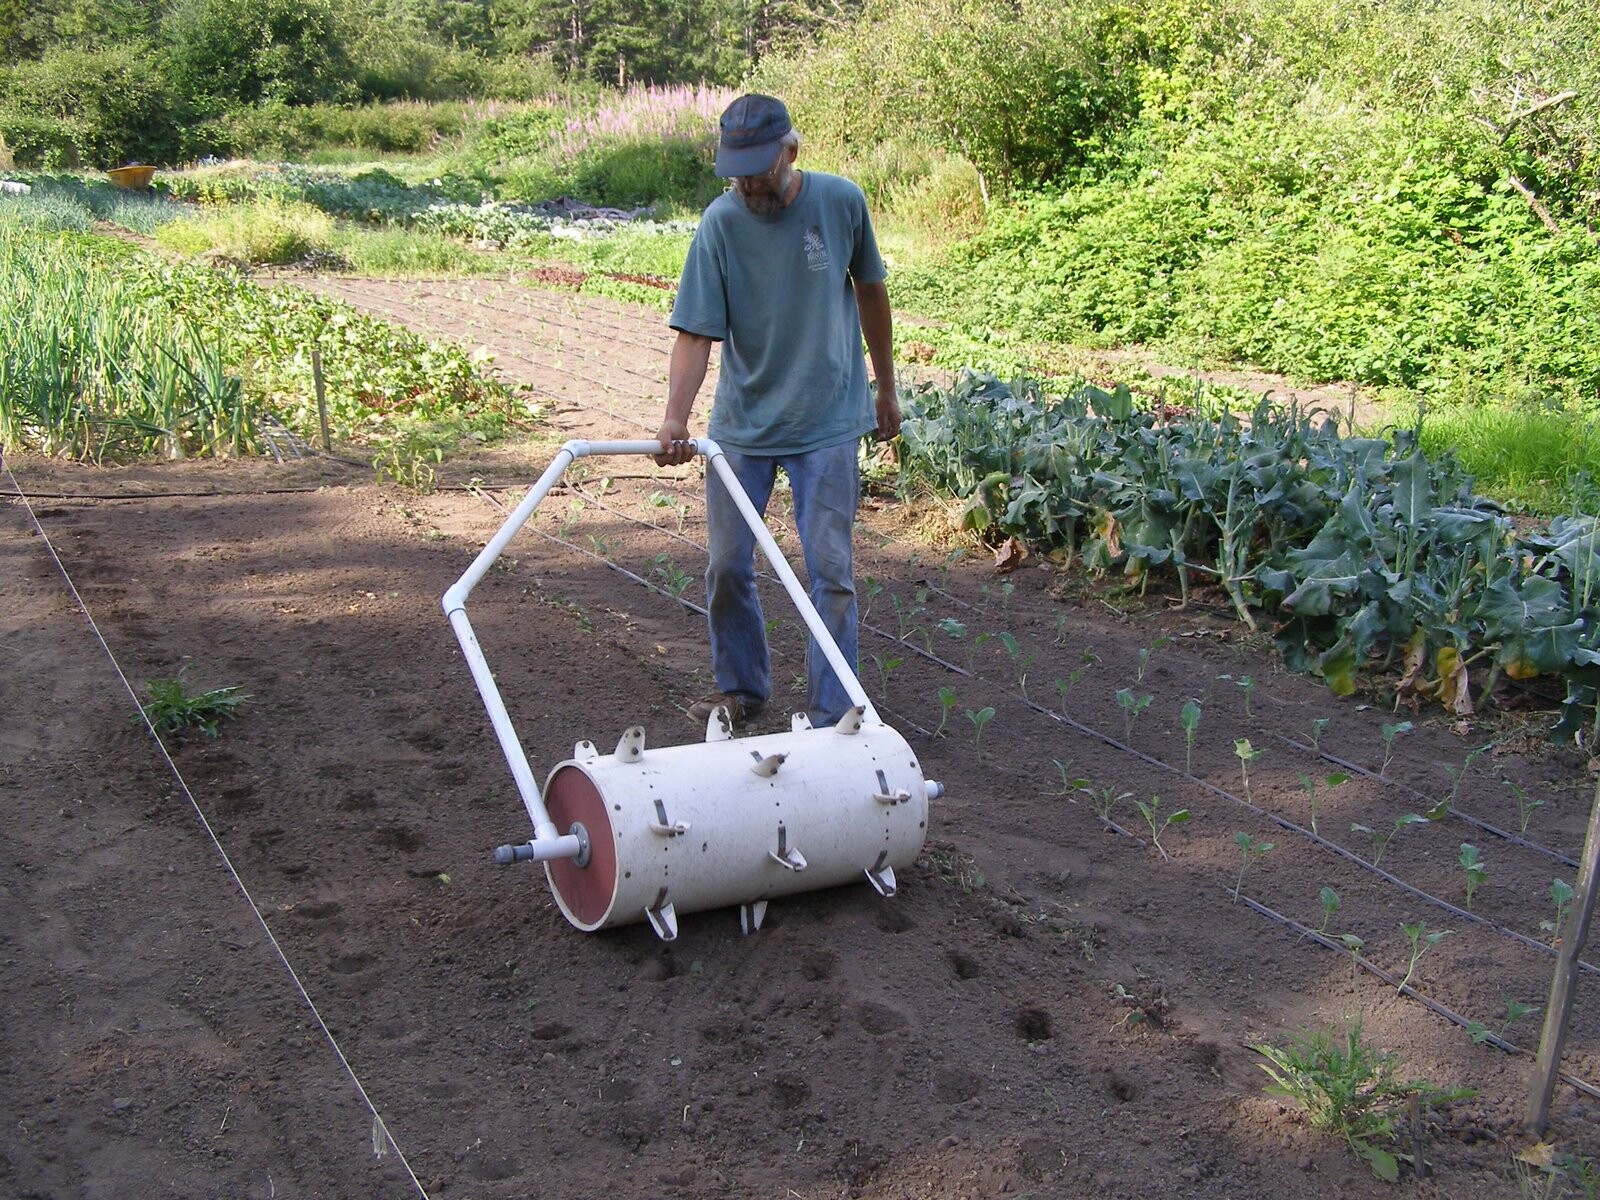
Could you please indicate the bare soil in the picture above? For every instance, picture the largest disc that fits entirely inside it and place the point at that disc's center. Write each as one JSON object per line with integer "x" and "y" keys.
{"x": 283, "y": 962}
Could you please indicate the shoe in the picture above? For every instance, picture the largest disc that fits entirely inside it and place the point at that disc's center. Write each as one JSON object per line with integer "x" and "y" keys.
{"x": 739, "y": 709}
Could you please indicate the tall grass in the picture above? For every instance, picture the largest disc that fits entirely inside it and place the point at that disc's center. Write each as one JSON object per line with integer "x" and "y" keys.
{"x": 1544, "y": 460}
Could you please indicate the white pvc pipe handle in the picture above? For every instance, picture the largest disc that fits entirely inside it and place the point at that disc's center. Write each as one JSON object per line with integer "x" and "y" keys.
{"x": 546, "y": 835}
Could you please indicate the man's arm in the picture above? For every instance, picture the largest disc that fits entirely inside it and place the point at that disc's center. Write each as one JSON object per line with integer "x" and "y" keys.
{"x": 691, "y": 355}
{"x": 877, "y": 326}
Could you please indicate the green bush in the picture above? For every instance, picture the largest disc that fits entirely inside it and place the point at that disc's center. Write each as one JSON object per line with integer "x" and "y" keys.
{"x": 92, "y": 108}
{"x": 266, "y": 232}
{"x": 645, "y": 171}
{"x": 230, "y": 52}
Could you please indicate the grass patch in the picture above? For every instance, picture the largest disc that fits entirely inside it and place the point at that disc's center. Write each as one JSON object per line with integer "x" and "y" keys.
{"x": 262, "y": 232}
{"x": 398, "y": 252}
{"x": 1544, "y": 460}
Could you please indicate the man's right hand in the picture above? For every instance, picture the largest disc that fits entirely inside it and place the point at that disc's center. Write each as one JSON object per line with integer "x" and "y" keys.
{"x": 676, "y": 448}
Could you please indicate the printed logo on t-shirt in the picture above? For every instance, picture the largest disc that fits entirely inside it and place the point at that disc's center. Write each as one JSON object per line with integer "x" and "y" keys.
{"x": 816, "y": 251}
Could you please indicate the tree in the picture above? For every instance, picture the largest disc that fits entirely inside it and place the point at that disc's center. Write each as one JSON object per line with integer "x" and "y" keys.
{"x": 250, "y": 51}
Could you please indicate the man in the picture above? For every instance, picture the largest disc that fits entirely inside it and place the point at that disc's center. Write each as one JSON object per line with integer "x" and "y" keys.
{"x": 785, "y": 273}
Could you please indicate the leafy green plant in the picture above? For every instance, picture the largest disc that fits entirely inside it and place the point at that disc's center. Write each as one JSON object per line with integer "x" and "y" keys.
{"x": 677, "y": 504}
{"x": 1070, "y": 784}
{"x": 1319, "y": 726}
{"x": 1020, "y": 661}
{"x": 1380, "y": 838}
{"x": 1526, "y": 805}
{"x": 1246, "y": 754}
{"x": 1350, "y": 1089}
{"x": 873, "y": 589}
{"x": 1421, "y": 942}
{"x": 1310, "y": 783}
{"x": 947, "y": 703}
{"x": 1515, "y": 1011}
{"x": 1251, "y": 850}
{"x": 1132, "y": 707}
{"x": 172, "y": 707}
{"x": 1144, "y": 657}
{"x": 674, "y": 580}
{"x": 1246, "y": 684}
{"x": 886, "y": 664}
{"x": 1390, "y": 732}
{"x": 979, "y": 719}
{"x": 1153, "y": 810}
{"x": 1475, "y": 868}
{"x": 1105, "y": 799}
{"x": 1329, "y": 900}
{"x": 1561, "y": 897}
{"x": 1189, "y": 718}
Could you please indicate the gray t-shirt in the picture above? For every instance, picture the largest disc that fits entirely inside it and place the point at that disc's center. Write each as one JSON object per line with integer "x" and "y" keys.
{"x": 776, "y": 291}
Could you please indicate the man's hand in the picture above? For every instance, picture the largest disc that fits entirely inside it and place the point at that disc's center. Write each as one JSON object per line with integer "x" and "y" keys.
{"x": 676, "y": 448}
{"x": 888, "y": 410}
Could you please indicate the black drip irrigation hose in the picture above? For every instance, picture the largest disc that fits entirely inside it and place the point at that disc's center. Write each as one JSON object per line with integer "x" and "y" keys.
{"x": 1406, "y": 989}
{"x": 1514, "y": 839}
{"x": 1105, "y": 738}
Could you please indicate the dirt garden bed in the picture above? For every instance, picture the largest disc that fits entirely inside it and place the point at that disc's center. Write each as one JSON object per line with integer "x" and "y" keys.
{"x": 1048, "y": 1007}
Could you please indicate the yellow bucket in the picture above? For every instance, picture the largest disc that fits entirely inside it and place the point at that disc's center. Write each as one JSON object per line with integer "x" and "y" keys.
{"x": 134, "y": 178}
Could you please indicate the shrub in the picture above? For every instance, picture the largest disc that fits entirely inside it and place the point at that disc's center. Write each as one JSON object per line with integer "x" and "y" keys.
{"x": 92, "y": 108}
{"x": 264, "y": 232}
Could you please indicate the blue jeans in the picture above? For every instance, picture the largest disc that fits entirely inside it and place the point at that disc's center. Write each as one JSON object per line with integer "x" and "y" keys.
{"x": 826, "y": 485}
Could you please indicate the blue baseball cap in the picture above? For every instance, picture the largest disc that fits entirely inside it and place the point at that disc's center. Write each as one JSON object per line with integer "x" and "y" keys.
{"x": 752, "y": 127}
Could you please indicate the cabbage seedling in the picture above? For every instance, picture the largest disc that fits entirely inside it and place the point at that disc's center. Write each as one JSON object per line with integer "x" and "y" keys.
{"x": 1515, "y": 1011}
{"x": 1069, "y": 785}
{"x": 1421, "y": 942}
{"x": 1475, "y": 869}
{"x": 1381, "y": 838}
{"x": 1105, "y": 800}
{"x": 1251, "y": 850}
{"x": 1319, "y": 726}
{"x": 874, "y": 589}
{"x": 1132, "y": 706}
{"x": 1310, "y": 784}
{"x": 947, "y": 702}
{"x": 1189, "y": 718}
{"x": 676, "y": 503}
{"x": 1020, "y": 662}
{"x": 979, "y": 719}
{"x": 886, "y": 664}
{"x": 1329, "y": 899}
{"x": 1525, "y": 804}
{"x": 1247, "y": 684}
{"x": 1153, "y": 810}
{"x": 1247, "y": 755}
{"x": 1144, "y": 657}
{"x": 1390, "y": 732}
{"x": 674, "y": 580}
{"x": 1561, "y": 897}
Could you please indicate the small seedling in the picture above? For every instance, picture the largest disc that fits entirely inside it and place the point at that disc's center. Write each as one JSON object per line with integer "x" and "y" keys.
{"x": 1246, "y": 755}
{"x": 1526, "y": 804}
{"x": 1061, "y": 628}
{"x": 1459, "y": 774}
{"x": 574, "y": 512}
{"x": 887, "y": 664}
{"x": 952, "y": 629}
{"x": 600, "y": 545}
{"x": 1020, "y": 662}
{"x": 1381, "y": 838}
{"x": 1353, "y": 947}
{"x": 1421, "y": 942}
{"x": 1310, "y": 784}
{"x": 1475, "y": 869}
{"x": 1390, "y": 732}
{"x": 1251, "y": 851}
{"x": 1319, "y": 726}
{"x": 1561, "y": 897}
{"x": 673, "y": 580}
{"x": 1105, "y": 800}
{"x": 1247, "y": 684}
{"x": 905, "y": 615}
{"x": 1329, "y": 899}
{"x": 1006, "y": 588}
{"x": 1515, "y": 1011}
{"x": 1069, "y": 785}
{"x": 172, "y": 707}
{"x": 1150, "y": 812}
{"x": 874, "y": 589}
{"x": 1189, "y": 718}
{"x": 947, "y": 702}
{"x": 979, "y": 719}
{"x": 1132, "y": 706}
{"x": 1144, "y": 657}
{"x": 676, "y": 503}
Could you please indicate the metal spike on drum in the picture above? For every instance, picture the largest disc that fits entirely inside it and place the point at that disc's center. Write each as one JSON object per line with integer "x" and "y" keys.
{"x": 648, "y": 834}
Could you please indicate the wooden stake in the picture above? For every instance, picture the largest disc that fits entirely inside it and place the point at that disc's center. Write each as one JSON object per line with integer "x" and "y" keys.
{"x": 1563, "y": 985}
{"x": 322, "y": 398}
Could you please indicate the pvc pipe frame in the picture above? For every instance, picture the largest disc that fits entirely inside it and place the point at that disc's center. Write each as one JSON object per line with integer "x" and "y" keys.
{"x": 548, "y": 841}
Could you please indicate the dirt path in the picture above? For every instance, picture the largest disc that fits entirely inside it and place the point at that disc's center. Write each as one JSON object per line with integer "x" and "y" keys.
{"x": 1047, "y": 1008}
